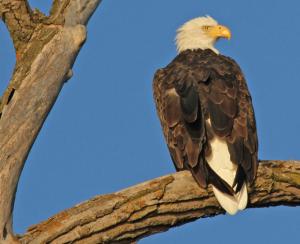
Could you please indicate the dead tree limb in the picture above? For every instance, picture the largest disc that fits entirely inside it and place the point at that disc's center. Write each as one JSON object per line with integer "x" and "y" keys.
{"x": 159, "y": 204}
{"x": 46, "y": 48}
{"x": 17, "y": 16}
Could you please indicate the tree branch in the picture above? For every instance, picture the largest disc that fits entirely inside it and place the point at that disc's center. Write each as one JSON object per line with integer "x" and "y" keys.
{"x": 16, "y": 14}
{"x": 159, "y": 204}
{"x": 40, "y": 72}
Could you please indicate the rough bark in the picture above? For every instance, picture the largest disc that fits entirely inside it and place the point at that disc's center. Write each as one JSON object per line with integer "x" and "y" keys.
{"x": 159, "y": 204}
{"x": 46, "y": 48}
{"x": 18, "y": 18}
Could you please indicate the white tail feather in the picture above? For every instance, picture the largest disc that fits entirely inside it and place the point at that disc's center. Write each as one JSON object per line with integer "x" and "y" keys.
{"x": 242, "y": 197}
{"x": 232, "y": 204}
{"x": 226, "y": 201}
{"x": 220, "y": 162}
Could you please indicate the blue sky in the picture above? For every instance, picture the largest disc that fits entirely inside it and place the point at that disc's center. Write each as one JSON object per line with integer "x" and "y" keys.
{"x": 103, "y": 134}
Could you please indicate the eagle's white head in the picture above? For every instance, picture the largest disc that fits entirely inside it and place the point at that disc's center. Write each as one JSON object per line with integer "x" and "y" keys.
{"x": 201, "y": 32}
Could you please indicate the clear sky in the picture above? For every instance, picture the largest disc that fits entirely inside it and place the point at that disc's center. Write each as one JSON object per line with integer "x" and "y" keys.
{"x": 103, "y": 133}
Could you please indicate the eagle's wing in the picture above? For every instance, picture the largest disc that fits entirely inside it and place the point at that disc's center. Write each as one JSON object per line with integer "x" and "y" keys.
{"x": 230, "y": 110}
{"x": 180, "y": 112}
{"x": 243, "y": 142}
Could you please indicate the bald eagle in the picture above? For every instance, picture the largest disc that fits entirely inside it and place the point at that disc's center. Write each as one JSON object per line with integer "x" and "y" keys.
{"x": 206, "y": 114}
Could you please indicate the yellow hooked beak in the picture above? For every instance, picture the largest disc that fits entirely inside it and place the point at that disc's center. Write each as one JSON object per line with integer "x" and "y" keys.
{"x": 219, "y": 31}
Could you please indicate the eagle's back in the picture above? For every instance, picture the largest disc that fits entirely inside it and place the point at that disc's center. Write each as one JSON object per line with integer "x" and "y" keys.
{"x": 202, "y": 99}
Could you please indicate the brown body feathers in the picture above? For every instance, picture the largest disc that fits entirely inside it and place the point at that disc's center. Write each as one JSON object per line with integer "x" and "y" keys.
{"x": 198, "y": 86}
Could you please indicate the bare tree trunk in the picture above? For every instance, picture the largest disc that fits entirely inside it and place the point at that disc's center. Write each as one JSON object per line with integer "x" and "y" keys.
{"x": 46, "y": 48}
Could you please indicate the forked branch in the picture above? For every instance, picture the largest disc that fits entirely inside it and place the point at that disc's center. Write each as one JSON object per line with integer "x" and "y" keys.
{"x": 17, "y": 16}
{"x": 46, "y": 50}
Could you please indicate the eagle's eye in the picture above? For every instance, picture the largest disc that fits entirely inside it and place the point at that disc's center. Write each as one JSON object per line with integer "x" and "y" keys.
{"x": 206, "y": 27}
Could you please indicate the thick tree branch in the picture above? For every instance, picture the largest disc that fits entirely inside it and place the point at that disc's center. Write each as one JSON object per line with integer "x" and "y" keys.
{"x": 158, "y": 205}
{"x": 41, "y": 70}
{"x": 17, "y": 16}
